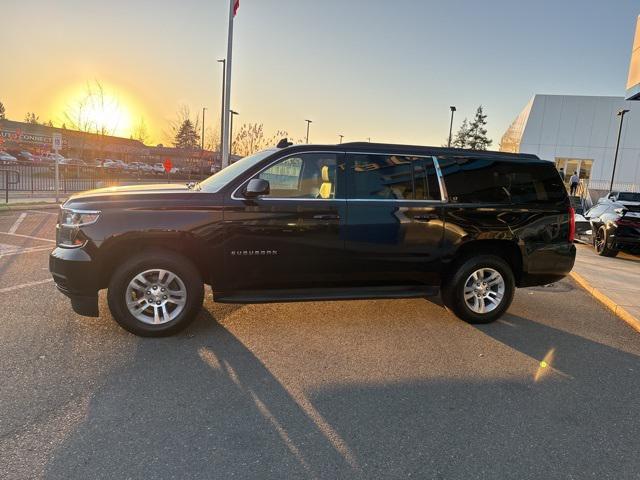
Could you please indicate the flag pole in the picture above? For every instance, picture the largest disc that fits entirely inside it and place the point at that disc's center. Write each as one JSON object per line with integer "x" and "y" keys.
{"x": 227, "y": 93}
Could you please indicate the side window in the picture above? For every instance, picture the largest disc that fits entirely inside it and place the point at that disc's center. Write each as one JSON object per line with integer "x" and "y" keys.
{"x": 393, "y": 177}
{"x": 307, "y": 175}
{"x": 487, "y": 180}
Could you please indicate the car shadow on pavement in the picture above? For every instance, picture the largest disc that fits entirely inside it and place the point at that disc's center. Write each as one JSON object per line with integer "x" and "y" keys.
{"x": 202, "y": 405}
{"x": 569, "y": 419}
{"x": 196, "y": 405}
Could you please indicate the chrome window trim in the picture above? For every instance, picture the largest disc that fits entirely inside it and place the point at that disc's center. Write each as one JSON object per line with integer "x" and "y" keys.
{"x": 443, "y": 189}
{"x": 234, "y": 197}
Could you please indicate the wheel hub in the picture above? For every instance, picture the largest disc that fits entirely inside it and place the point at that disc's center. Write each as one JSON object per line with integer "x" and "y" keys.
{"x": 484, "y": 290}
{"x": 156, "y": 296}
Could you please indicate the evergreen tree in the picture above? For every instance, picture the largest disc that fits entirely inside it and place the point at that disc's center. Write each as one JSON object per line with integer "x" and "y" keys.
{"x": 187, "y": 136}
{"x": 2, "y": 111}
{"x": 477, "y": 134}
{"x": 461, "y": 140}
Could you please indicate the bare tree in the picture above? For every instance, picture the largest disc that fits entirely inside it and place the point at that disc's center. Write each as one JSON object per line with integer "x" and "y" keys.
{"x": 93, "y": 112}
{"x": 141, "y": 132}
{"x": 250, "y": 139}
{"x": 32, "y": 118}
{"x": 2, "y": 111}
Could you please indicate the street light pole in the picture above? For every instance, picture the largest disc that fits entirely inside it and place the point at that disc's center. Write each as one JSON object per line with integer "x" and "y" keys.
{"x": 231, "y": 134}
{"x": 453, "y": 109}
{"x": 621, "y": 114}
{"x": 340, "y": 135}
{"x": 202, "y": 139}
{"x": 222, "y": 107}
{"x": 308, "y": 123}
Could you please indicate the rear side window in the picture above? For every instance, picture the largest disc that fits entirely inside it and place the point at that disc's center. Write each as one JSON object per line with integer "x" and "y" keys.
{"x": 392, "y": 177}
{"x": 487, "y": 180}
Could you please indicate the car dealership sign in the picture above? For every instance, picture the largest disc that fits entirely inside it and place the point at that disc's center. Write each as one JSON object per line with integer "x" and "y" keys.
{"x": 19, "y": 136}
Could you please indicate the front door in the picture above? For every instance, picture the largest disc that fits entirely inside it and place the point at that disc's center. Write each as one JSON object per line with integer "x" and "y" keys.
{"x": 394, "y": 227}
{"x": 292, "y": 237}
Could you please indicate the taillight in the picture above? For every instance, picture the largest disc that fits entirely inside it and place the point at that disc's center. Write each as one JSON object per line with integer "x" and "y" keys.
{"x": 572, "y": 224}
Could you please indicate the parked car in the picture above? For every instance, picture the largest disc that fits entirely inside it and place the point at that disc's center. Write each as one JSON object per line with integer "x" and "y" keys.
{"x": 7, "y": 158}
{"x": 158, "y": 168}
{"x": 146, "y": 168}
{"x": 23, "y": 156}
{"x": 615, "y": 223}
{"x": 111, "y": 164}
{"x": 329, "y": 222}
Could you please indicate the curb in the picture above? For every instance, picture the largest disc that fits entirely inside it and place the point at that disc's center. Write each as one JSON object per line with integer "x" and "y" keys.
{"x": 29, "y": 206}
{"x": 618, "y": 310}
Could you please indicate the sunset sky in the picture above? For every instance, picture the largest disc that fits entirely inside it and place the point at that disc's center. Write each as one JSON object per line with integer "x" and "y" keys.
{"x": 382, "y": 69}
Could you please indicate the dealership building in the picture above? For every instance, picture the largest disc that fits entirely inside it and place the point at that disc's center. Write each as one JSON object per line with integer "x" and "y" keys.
{"x": 579, "y": 134}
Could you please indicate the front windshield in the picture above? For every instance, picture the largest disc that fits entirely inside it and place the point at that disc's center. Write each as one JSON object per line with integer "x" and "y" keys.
{"x": 218, "y": 180}
{"x": 629, "y": 197}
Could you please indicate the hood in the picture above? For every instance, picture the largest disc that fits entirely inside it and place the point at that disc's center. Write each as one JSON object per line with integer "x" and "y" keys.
{"x": 156, "y": 188}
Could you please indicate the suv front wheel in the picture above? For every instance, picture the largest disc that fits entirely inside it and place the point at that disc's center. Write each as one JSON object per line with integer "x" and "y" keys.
{"x": 480, "y": 289}
{"x": 155, "y": 293}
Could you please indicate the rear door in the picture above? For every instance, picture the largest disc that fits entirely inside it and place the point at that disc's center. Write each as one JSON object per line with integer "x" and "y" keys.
{"x": 394, "y": 219}
{"x": 292, "y": 237}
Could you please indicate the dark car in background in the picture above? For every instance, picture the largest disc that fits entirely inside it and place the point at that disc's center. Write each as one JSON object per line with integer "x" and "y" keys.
{"x": 615, "y": 223}
{"x": 320, "y": 222}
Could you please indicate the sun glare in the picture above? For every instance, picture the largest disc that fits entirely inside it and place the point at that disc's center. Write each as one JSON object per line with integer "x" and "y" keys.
{"x": 97, "y": 108}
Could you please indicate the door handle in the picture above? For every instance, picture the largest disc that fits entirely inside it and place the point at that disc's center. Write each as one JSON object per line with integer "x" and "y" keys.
{"x": 326, "y": 217}
{"x": 425, "y": 217}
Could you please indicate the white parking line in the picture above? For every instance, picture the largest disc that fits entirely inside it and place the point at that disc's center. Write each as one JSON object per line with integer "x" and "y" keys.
{"x": 28, "y": 236}
{"x": 25, "y": 285}
{"x": 17, "y": 223}
{"x": 20, "y": 251}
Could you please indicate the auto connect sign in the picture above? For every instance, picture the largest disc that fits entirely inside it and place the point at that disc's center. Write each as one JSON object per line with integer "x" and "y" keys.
{"x": 19, "y": 136}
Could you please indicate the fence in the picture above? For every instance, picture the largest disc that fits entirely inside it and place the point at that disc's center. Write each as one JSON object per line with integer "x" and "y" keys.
{"x": 38, "y": 177}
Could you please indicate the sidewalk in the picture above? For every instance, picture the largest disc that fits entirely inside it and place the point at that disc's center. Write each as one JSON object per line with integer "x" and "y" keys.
{"x": 613, "y": 281}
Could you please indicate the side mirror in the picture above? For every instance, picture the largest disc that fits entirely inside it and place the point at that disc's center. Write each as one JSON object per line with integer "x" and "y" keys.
{"x": 256, "y": 187}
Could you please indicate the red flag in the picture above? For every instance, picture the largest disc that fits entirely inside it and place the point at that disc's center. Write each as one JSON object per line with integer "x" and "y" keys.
{"x": 236, "y": 5}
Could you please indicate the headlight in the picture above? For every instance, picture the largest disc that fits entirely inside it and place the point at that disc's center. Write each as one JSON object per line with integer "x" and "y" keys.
{"x": 78, "y": 218}
{"x": 69, "y": 223}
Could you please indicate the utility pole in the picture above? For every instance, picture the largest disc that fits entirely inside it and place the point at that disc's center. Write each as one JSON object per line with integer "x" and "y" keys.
{"x": 202, "y": 138}
{"x": 621, "y": 114}
{"x": 233, "y": 7}
{"x": 222, "y": 106}
{"x": 340, "y": 135}
{"x": 231, "y": 133}
{"x": 453, "y": 109}
{"x": 309, "y": 122}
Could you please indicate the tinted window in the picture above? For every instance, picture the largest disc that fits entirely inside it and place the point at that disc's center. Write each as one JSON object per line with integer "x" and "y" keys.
{"x": 487, "y": 180}
{"x": 629, "y": 197}
{"x": 393, "y": 177}
{"x": 307, "y": 175}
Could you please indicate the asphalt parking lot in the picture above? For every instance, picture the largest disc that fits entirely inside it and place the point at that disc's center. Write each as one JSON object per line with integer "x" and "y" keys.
{"x": 359, "y": 389}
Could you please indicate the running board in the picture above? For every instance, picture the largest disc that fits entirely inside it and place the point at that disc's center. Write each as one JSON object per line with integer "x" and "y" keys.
{"x": 318, "y": 294}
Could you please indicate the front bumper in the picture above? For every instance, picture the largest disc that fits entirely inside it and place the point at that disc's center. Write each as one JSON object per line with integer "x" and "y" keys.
{"x": 75, "y": 275}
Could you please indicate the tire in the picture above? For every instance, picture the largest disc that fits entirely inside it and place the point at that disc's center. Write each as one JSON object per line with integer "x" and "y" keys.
{"x": 601, "y": 243}
{"x": 493, "y": 288}
{"x": 164, "y": 310}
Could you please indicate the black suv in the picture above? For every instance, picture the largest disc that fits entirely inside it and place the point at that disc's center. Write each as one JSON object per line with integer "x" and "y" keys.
{"x": 320, "y": 222}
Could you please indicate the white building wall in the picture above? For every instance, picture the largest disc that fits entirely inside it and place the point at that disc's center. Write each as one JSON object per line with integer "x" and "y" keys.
{"x": 584, "y": 127}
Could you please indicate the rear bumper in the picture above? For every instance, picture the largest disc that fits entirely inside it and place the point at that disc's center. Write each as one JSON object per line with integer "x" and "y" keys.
{"x": 75, "y": 276}
{"x": 548, "y": 264}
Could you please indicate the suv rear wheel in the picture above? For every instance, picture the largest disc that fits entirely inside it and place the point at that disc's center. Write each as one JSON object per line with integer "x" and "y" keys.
{"x": 480, "y": 289}
{"x": 155, "y": 293}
